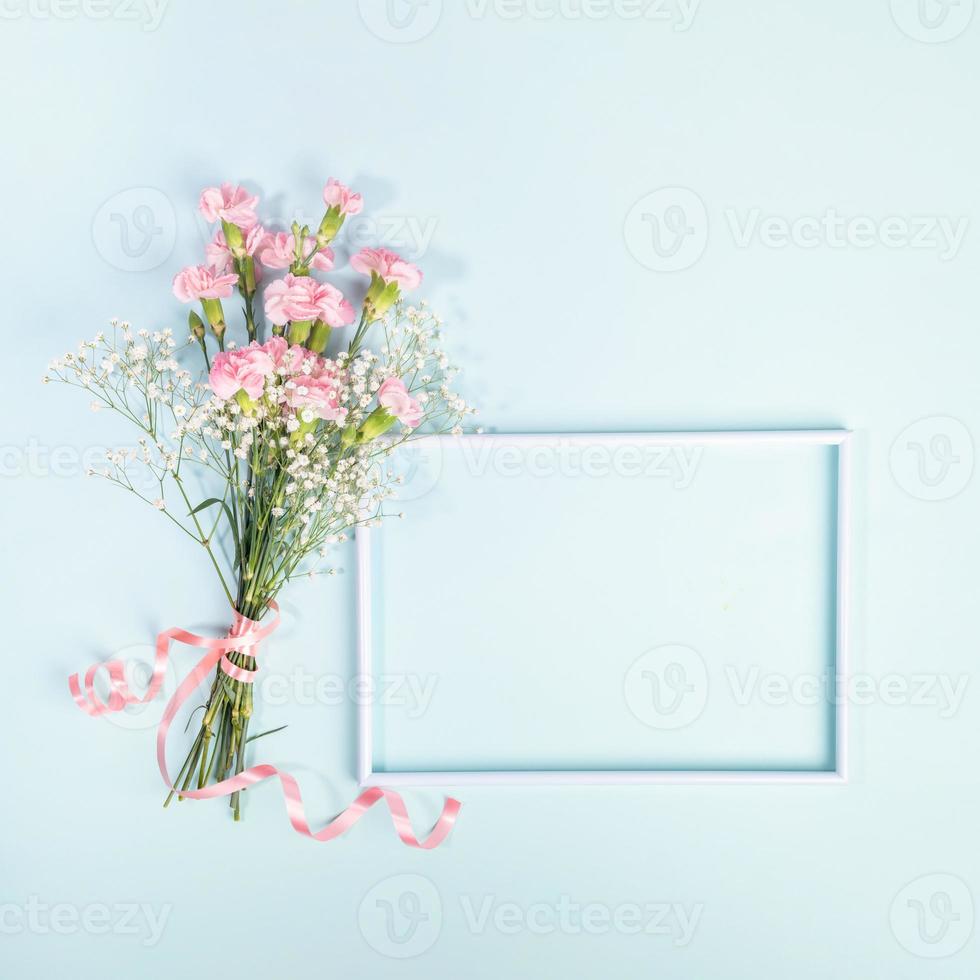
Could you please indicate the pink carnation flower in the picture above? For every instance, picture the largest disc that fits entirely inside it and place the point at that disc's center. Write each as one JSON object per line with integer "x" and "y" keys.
{"x": 202, "y": 282}
{"x": 338, "y": 195}
{"x": 317, "y": 391}
{"x": 287, "y": 360}
{"x": 244, "y": 369}
{"x": 226, "y": 203}
{"x": 389, "y": 266}
{"x": 279, "y": 251}
{"x": 219, "y": 255}
{"x": 303, "y": 298}
{"x": 394, "y": 398}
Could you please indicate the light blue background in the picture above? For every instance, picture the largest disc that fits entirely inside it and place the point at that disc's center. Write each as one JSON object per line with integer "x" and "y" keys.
{"x": 527, "y": 141}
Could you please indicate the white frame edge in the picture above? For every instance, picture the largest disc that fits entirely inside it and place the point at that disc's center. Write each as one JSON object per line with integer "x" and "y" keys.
{"x": 841, "y": 438}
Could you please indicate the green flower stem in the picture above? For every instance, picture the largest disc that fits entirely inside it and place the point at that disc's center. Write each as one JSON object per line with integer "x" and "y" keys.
{"x": 187, "y": 762}
{"x": 203, "y": 539}
{"x": 355, "y": 343}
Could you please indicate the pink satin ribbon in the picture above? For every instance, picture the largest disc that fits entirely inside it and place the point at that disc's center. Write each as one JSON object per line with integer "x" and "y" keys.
{"x": 245, "y": 635}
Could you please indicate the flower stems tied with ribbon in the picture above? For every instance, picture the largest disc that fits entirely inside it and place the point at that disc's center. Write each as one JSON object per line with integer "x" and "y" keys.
{"x": 244, "y": 636}
{"x": 270, "y": 460}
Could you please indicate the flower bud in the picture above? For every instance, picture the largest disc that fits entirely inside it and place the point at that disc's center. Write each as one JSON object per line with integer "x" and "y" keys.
{"x": 248, "y": 406}
{"x": 299, "y": 331}
{"x": 234, "y": 238}
{"x": 248, "y": 274}
{"x": 380, "y": 296}
{"x": 297, "y": 437}
{"x": 329, "y": 226}
{"x": 389, "y": 296}
{"x": 196, "y": 324}
{"x": 376, "y": 424}
{"x": 215, "y": 314}
{"x": 319, "y": 337}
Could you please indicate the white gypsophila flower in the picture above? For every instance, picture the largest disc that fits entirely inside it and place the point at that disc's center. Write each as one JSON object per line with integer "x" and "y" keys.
{"x": 328, "y": 485}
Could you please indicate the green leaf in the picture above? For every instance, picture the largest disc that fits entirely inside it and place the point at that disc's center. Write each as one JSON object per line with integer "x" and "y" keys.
{"x": 191, "y": 718}
{"x": 271, "y": 731}
{"x": 204, "y": 504}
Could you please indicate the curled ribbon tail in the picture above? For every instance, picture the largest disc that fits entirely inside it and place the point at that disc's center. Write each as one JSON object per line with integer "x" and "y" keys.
{"x": 245, "y": 635}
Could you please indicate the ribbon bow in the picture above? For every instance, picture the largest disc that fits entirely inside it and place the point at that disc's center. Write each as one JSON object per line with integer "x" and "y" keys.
{"x": 245, "y": 633}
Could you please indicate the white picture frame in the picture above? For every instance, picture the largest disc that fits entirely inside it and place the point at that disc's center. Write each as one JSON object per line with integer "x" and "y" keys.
{"x": 841, "y": 438}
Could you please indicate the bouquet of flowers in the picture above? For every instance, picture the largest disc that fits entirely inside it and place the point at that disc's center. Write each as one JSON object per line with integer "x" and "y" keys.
{"x": 278, "y": 450}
